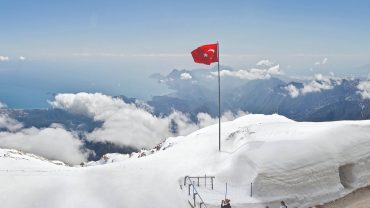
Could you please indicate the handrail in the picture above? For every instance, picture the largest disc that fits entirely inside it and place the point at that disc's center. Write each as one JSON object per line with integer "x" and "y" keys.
{"x": 199, "y": 177}
{"x": 195, "y": 192}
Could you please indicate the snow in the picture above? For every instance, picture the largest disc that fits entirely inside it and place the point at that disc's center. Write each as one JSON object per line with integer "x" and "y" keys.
{"x": 303, "y": 163}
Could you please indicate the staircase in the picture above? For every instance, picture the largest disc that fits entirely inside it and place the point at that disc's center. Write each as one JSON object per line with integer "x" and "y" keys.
{"x": 190, "y": 183}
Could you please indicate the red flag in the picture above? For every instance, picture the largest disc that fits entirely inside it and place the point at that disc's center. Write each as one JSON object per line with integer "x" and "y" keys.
{"x": 206, "y": 54}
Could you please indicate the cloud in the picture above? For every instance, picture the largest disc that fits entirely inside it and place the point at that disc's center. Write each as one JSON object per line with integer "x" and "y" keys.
{"x": 186, "y": 126}
{"x": 323, "y": 62}
{"x": 9, "y": 123}
{"x": 265, "y": 63}
{"x": 4, "y": 58}
{"x": 317, "y": 84}
{"x": 22, "y": 58}
{"x": 53, "y": 143}
{"x": 205, "y": 119}
{"x": 2, "y": 105}
{"x": 126, "y": 124}
{"x": 185, "y": 76}
{"x": 364, "y": 89}
{"x": 292, "y": 90}
{"x": 251, "y": 74}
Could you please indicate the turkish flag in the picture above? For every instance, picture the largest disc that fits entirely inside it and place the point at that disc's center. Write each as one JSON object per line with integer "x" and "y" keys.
{"x": 206, "y": 54}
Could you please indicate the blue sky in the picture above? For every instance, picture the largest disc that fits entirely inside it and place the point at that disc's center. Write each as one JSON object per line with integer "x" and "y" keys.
{"x": 90, "y": 41}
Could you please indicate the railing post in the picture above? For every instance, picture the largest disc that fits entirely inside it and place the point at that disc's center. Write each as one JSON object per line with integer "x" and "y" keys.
{"x": 251, "y": 189}
{"x": 212, "y": 182}
{"x": 185, "y": 180}
{"x": 205, "y": 180}
{"x": 194, "y": 194}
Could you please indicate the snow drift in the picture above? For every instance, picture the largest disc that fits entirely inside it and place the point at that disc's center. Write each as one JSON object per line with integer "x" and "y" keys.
{"x": 302, "y": 163}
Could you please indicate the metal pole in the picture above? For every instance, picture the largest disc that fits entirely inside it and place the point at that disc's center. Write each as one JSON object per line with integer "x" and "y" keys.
{"x": 205, "y": 180}
{"x": 251, "y": 189}
{"x": 226, "y": 191}
{"x": 219, "y": 97}
{"x": 194, "y": 199}
{"x": 212, "y": 182}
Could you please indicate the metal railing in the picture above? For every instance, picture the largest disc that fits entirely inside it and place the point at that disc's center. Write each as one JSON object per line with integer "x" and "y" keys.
{"x": 195, "y": 193}
{"x": 200, "y": 177}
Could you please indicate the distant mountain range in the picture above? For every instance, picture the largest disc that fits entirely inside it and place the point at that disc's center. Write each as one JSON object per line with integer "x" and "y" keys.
{"x": 199, "y": 94}
{"x": 266, "y": 96}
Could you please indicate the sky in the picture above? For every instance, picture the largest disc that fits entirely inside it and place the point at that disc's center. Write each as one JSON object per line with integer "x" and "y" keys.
{"x": 47, "y": 47}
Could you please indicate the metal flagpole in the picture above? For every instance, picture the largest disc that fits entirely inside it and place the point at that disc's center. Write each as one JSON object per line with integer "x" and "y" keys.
{"x": 219, "y": 98}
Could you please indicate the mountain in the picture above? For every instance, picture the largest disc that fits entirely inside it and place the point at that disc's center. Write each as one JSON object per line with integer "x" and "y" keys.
{"x": 302, "y": 163}
{"x": 199, "y": 95}
{"x": 266, "y": 96}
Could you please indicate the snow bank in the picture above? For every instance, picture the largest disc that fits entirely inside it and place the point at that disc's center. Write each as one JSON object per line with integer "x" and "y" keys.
{"x": 301, "y": 162}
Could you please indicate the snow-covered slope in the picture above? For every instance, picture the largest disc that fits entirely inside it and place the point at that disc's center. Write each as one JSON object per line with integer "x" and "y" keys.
{"x": 300, "y": 162}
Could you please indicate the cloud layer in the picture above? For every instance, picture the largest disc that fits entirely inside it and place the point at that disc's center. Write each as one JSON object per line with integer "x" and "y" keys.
{"x": 123, "y": 124}
{"x": 53, "y": 143}
{"x": 9, "y": 123}
{"x": 126, "y": 124}
{"x": 252, "y": 74}
{"x": 319, "y": 83}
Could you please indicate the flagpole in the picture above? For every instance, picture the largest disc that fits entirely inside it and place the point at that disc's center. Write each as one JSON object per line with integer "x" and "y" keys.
{"x": 219, "y": 98}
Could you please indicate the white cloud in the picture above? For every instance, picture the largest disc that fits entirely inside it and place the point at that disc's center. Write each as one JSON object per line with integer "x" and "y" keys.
{"x": 265, "y": 63}
{"x": 2, "y": 105}
{"x": 53, "y": 143}
{"x": 251, "y": 74}
{"x": 292, "y": 90}
{"x": 4, "y": 58}
{"x": 9, "y": 123}
{"x": 185, "y": 76}
{"x": 275, "y": 70}
{"x": 323, "y": 62}
{"x": 317, "y": 84}
{"x": 126, "y": 124}
{"x": 364, "y": 89}
{"x": 22, "y": 58}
